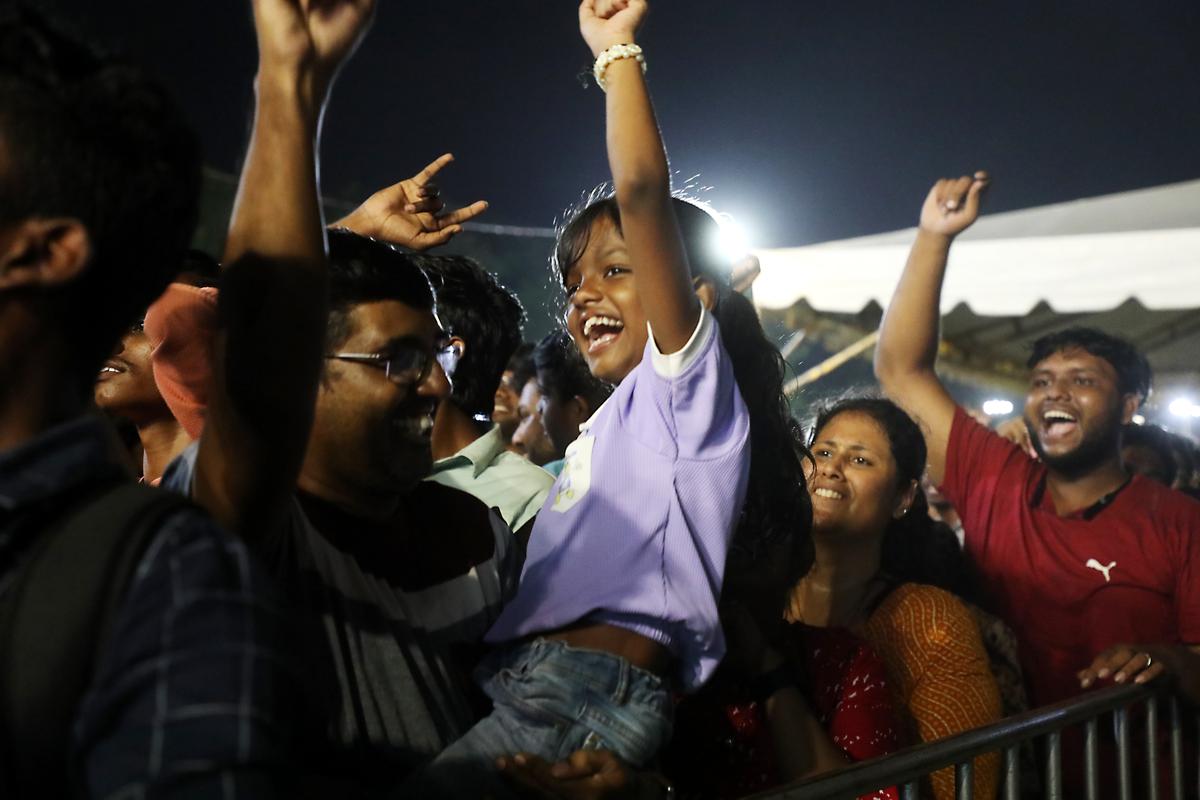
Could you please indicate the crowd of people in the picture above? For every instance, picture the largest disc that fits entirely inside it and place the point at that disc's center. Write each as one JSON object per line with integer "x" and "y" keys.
{"x": 317, "y": 521}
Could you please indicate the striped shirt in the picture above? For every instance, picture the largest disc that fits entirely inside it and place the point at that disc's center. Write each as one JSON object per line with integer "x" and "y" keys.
{"x": 402, "y": 603}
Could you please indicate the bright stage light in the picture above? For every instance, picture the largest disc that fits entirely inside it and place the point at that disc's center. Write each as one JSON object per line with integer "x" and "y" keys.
{"x": 1183, "y": 407}
{"x": 733, "y": 242}
{"x": 997, "y": 407}
{"x": 1138, "y": 419}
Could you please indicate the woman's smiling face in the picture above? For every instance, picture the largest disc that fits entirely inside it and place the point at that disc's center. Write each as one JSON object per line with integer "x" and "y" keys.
{"x": 854, "y": 483}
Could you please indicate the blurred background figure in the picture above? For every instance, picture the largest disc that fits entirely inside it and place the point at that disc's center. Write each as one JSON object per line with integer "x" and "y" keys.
{"x": 1148, "y": 450}
{"x": 530, "y": 438}
{"x": 508, "y": 394}
{"x": 570, "y": 394}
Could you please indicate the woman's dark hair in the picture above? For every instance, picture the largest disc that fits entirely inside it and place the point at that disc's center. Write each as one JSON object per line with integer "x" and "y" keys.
{"x": 916, "y": 548}
{"x": 777, "y": 502}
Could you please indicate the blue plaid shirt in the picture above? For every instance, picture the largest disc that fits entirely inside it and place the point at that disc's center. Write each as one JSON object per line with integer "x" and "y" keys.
{"x": 199, "y": 692}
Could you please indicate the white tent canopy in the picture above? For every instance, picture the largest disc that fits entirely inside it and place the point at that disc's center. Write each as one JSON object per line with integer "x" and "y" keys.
{"x": 1085, "y": 255}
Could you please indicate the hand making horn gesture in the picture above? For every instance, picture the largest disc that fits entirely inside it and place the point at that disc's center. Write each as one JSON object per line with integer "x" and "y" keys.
{"x": 409, "y": 213}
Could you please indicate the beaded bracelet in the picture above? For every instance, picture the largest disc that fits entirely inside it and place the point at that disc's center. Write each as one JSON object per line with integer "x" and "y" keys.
{"x": 616, "y": 53}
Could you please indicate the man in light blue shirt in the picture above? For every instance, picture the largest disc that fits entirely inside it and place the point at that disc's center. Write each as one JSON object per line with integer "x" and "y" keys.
{"x": 483, "y": 322}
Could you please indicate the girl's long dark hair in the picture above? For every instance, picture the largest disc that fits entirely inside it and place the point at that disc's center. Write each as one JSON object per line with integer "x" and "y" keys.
{"x": 777, "y": 503}
{"x": 916, "y": 548}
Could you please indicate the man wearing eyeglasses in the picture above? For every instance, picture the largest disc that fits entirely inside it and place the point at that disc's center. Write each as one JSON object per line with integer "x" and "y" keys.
{"x": 403, "y": 575}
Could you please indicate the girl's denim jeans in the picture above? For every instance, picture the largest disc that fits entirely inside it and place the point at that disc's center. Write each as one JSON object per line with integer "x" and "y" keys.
{"x": 551, "y": 700}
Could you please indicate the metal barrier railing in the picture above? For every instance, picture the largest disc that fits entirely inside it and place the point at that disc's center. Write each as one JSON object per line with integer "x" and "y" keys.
{"x": 907, "y": 767}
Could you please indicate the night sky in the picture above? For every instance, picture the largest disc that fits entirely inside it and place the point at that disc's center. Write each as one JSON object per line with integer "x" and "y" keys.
{"x": 809, "y": 120}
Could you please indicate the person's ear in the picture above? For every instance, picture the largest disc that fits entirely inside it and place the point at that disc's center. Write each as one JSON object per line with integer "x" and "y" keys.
{"x": 40, "y": 252}
{"x": 579, "y": 408}
{"x": 905, "y": 500}
{"x": 706, "y": 290}
{"x": 449, "y": 356}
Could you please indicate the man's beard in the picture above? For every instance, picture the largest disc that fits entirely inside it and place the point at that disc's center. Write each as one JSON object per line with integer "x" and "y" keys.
{"x": 406, "y": 451}
{"x": 1091, "y": 452}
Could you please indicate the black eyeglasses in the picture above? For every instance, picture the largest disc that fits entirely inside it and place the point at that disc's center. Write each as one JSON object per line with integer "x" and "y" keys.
{"x": 408, "y": 365}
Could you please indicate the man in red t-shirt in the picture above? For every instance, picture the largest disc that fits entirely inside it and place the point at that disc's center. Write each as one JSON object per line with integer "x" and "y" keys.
{"x": 1097, "y": 572}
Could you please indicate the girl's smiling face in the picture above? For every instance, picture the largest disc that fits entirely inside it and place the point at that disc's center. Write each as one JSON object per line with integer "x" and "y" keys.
{"x": 604, "y": 313}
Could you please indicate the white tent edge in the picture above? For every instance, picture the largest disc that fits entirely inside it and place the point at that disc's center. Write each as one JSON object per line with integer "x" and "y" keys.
{"x": 1081, "y": 268}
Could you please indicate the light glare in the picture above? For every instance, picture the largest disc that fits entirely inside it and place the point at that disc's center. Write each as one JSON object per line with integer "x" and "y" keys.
{"x": 733, "y": 242}
{"x": 997, "y": 407}
{"x": 1183, "y": 407}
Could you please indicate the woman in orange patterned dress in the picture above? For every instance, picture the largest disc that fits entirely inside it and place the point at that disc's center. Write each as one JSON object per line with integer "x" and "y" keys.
{"x": 876, "y": 552}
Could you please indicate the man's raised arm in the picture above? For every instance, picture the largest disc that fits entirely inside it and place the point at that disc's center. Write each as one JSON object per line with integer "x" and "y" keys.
{"x": 268, "y": 356}
{"x": 908, "y": 336}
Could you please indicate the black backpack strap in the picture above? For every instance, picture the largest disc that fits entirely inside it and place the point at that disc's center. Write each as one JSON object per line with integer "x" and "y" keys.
{"x": 55, "y": 622}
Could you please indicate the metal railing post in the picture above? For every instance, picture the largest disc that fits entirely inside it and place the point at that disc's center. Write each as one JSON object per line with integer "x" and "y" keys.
{"x": 1054, "y": 766}
{"x": 1012, "y": 773}
{"x": 1176, "y": 750}
{"x": 1124, "y": 783}
{"x": 909, "y": 768}
{"x": 1091, "y": 767}
{"x": 1152, "y": 748}
{"x": 964, "y": 780}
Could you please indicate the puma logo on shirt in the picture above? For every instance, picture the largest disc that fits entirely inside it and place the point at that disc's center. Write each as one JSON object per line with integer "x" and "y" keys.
{"x": 1096, "y": 565}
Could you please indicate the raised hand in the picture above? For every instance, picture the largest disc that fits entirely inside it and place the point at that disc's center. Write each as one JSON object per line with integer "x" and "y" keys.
{"x": 953, "y": 204}
{"x": 409, "y": 213}
{"x": 309, "y": 39}
{"x": 604, "y": 23}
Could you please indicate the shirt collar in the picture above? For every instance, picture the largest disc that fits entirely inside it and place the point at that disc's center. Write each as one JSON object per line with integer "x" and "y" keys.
{"x": 479, "y": 454}
{"x": 1039, "y": 500}
{"x": 67, "y": 455}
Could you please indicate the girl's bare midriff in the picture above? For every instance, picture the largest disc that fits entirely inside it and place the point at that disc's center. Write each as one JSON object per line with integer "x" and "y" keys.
{"x": 638, "y": 650}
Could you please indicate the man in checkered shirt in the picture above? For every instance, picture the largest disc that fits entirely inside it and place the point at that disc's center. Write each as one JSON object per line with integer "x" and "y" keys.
{"x": 198, "y": 689}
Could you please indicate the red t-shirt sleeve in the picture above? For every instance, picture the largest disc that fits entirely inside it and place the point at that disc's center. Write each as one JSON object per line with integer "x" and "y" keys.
{"x": 981, "y": 468}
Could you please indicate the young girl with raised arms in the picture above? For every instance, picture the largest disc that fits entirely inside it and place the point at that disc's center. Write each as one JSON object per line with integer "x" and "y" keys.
{"x": 617, "y": 603}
